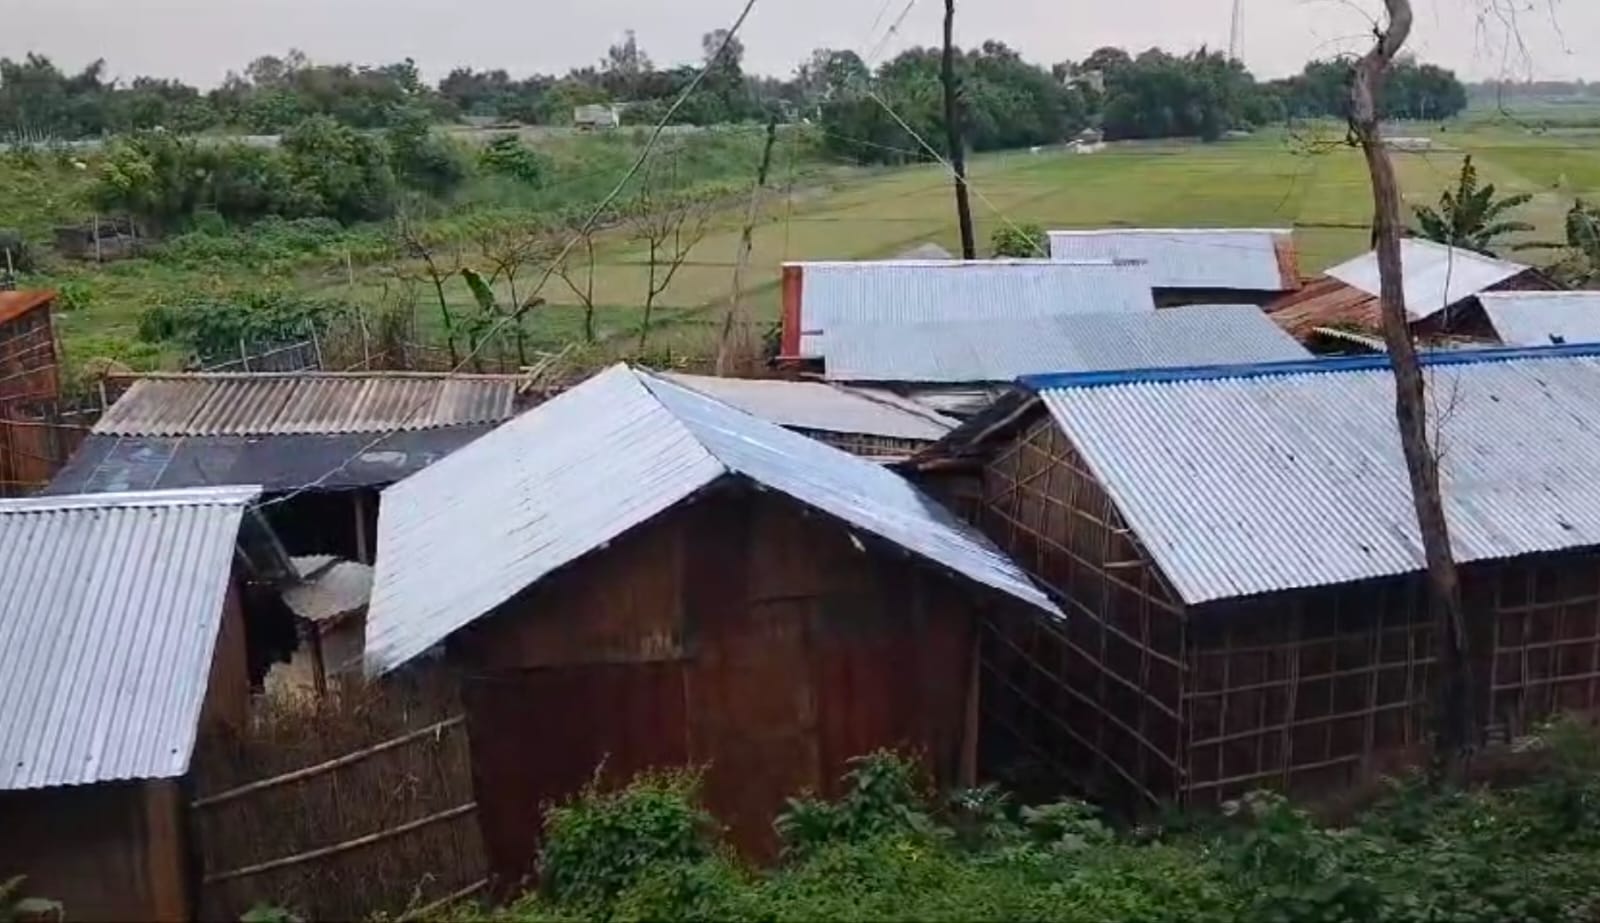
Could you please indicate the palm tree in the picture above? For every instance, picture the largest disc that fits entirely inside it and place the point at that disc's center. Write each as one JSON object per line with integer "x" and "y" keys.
{"x": 1470, "y": 216}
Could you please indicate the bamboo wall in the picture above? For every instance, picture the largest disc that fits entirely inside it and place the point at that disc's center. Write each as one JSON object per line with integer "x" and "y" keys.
{"x": 1101, "y": 695}
{"x": 1142, "y": 700}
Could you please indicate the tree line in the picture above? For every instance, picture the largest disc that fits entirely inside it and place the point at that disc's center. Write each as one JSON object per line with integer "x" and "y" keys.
{"x": 1006, "y": 101}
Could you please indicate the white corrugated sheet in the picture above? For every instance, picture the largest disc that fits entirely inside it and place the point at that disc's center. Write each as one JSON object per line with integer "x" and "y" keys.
{"x": 1436, "y": 276}
{"x": 919, "y": 291}
{"x": 110, "y": 607}
{"x": 1275, "y": 479}
{"x": 329, "y": 589}
{"x": 464, "y": 536}
{"x": 1242, "y": 259}
{"x": 1003, "y": 350}
{"x": 827, "y": 408}
{"x": 1543, "y": 318}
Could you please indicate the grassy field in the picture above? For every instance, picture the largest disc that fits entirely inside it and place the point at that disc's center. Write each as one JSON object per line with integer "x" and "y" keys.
{"x": 1273, "y": 179}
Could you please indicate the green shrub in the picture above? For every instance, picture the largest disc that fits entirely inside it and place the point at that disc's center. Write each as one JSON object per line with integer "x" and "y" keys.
{"x": 508, "y": 156}
{"x": 336, "y": 172}
{"x": 422, "y": 158}
{"x": 1027, "y": 241}
{"x": 882, "y": 797}
{"x": 211, "y": 327}
{"x": 602, "y": 843}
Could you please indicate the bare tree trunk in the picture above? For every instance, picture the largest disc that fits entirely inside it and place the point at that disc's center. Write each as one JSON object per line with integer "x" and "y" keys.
{"x": 952, "y": 127}
{"x": 1455, "y": 725}
{"x": 735, "y": 326}
{"x": 649, "y": 294}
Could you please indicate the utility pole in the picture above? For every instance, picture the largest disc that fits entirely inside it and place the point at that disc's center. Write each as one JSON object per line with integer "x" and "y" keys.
{"x": 952, "y": 126}
{"x": 1454, "y": 722}
{"x": 734, "y": 344}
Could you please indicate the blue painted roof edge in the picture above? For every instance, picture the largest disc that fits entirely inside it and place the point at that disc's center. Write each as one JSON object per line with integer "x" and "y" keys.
{"x": 1437, "y": 358}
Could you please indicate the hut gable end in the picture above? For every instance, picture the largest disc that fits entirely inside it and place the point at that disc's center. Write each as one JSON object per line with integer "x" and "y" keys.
{"x": 1044, "y": 506}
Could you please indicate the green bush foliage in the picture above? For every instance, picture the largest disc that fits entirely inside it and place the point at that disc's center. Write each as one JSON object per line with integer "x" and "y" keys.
{"x": 603, "y": 843}
{"x": 210, "y": 327}
{"x": 1023, "y": 242}
{"x": 508, "y": 156}
{"x": 885, "y": 850}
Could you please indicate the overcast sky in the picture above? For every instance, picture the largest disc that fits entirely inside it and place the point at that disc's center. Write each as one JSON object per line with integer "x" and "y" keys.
{"x": 200, "y": 40}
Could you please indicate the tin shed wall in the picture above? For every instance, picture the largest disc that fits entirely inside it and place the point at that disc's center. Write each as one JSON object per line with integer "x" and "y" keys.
{"x": 738, "y": 634}
{"x": 110, "y": 851}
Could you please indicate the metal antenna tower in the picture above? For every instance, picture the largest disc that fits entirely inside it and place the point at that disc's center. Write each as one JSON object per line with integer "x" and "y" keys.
{"x": 1236, "y": 34}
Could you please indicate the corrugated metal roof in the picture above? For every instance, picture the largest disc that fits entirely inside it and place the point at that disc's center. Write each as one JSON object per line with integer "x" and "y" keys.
{"x": 461, "y": 538}
{"x": 922, "y": 291}
{"x": 1543, "y": 318}
{"x": 1252, "y": 480}
{"x": 330, "y": 591}
{"x": 1243, "y": 259}
{"x": 824, "y": 407}
{"x": 317, "y": 462}
{"x": 245, "y": 404}
{"x": 1003, "y": 350}
{"x": 109, "y": 611}
{"x": 1436, "y": 276}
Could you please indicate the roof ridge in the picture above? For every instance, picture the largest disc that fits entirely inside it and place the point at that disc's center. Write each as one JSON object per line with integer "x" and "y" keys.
{"x": 1327, "y": 365}
{"x": 232, "y": 495}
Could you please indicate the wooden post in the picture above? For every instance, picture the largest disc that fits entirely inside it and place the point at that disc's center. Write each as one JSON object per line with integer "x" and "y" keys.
{"x": 363, "y": 552}
{"x": 952, "y": 128}
{"x": 316, "y": 345}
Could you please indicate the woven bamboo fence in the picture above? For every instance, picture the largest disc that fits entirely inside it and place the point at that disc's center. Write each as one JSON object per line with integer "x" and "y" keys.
{"x": 343, "y": 808}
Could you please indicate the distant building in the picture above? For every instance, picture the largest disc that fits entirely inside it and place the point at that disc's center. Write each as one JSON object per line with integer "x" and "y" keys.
{"x": 1195, "y": 265}
{"x": 1543, "y": 318}
{"x": 1341, "y": 312}
{"x": 597, "y": 116}
{"x": 1090, "y": 80}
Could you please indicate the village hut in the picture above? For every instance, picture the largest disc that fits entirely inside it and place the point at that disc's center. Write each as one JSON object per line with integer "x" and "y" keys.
{"x": 122, "y": 641}
{"x": 714, "y": 590}
{"x": 1341, "y": 312}
{"x": 854, "y": 305}
{"x": 1195, "y": 265}
{"x": 1242, "y": 571}
{"x": 1543, "y": 318}
{"x": 30, "y": 386}
{"x": 321, "y": 444}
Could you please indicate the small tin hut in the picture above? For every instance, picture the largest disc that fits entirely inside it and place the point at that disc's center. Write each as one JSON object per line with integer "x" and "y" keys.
{"x": 636, "y": 575}
{"x": 122, "y": 640}
{"x": 1242, "y": 569}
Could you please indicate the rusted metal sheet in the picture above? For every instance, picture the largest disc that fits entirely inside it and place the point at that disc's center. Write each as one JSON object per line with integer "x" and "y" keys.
{"x": 109, "y": 852}
{"x": 623, "y": 606}
{"x": 244, "y": 404}
{"x": 801, "y": 646}
{"x": 28, "y": 361}
{"x": 539, "y": 736}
